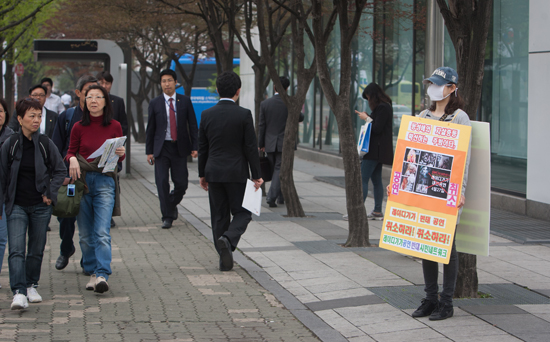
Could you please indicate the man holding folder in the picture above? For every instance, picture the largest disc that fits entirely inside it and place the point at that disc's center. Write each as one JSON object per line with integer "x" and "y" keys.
{"x": 227, "y": 149}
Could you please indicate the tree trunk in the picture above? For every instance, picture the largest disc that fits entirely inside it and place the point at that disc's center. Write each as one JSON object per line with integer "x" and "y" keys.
{"x": 8, "y": 78}
{"x": 468, "y": 25}
{"x": 259, "y": 89}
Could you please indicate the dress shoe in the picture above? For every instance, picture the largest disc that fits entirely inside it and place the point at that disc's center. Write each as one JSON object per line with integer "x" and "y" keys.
{"x": 167, "y": 224}
{"x": 280, "y": 201}
{"x": 63, "y": 261}
{"x": 272, "y": 204}
{"x": 48, "y": 229}
{"x": 226, "y": 255}
{"x": 175, "y": 217}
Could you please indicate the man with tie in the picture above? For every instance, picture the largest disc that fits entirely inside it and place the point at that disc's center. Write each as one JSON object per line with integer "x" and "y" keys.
{"x": 227, "y": 149}
{"x": 49, "y": 118}
{"x": 171, "y": 136}
{"x": 119, "y": 109}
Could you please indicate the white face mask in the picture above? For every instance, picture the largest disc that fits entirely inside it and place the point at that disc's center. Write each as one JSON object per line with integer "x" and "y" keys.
{"x": 435, "y": 92}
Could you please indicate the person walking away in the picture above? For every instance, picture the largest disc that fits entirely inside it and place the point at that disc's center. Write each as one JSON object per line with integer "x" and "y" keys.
{"x": 171, "y": 136}
{"x": 31, "y": 172}
{"x": 101, "y": 201}
{"x": 227, "y": 150}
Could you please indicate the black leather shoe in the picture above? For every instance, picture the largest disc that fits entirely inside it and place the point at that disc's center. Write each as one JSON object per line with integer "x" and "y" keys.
{"x": 426, "y": 308}
{"x": 113, "y": 224}
{"x": 279, "y": 201}
{"x": 49, "y": 229}
{"x": 63, "y": 261}
{"x": 272, "y": 204}
{"x": 175, "y": 213}
{"x": 226, "y": 254}
{"x": 443, "y": 311}
{"x": 167, "y": 224}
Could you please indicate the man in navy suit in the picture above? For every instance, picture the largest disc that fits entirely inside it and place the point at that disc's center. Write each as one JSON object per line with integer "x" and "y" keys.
{"x": 227, "y": 149}
{"x": 170, "y": 137}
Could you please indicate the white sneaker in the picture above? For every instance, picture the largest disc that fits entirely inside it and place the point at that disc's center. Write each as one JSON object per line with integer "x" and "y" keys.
{"x": 345, "y": 217}
{"x": 101, "y": 285}
{"x": 33, "y": 295}
{"x": 19, "y": 302}
{"x": 91, "y": 284}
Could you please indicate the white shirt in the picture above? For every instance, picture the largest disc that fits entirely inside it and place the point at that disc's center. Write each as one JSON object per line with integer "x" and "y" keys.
{"x": 54, "y": 104}
{"x": 42, "y": 129}
{"x": 167, "y": 104}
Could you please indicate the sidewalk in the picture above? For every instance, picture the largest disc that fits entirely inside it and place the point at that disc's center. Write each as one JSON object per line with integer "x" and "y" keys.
{"x": 368, "y": 294}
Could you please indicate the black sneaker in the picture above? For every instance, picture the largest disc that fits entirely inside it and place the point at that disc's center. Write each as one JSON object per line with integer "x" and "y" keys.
{"x": 426, "y": 308}
{"x": 443, "y": 311}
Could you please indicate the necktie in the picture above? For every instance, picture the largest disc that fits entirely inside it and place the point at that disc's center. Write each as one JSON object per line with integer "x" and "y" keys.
{"x": 173, "y": 127}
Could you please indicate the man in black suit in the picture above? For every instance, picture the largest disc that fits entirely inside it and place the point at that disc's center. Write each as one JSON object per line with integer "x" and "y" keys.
{"x": 227, "y": 148}
{"x": 49, "y": 118}
{"x": 61, "y": 138}
{"x": 119, "y": 109}
{"x": 170, "y": 137}
{"x": 273, "y": 116}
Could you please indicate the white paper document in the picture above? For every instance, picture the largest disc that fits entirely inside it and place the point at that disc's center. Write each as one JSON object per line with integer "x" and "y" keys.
{"x": 108, "y": 159}
{"x": 252, "y": 200}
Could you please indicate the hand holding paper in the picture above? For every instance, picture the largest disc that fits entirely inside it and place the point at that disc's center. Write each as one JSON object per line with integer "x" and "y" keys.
{"x": 252, "y": 200}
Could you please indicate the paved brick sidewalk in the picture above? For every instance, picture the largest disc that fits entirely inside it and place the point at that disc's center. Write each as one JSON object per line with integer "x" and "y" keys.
{"x": 165, "y": 286}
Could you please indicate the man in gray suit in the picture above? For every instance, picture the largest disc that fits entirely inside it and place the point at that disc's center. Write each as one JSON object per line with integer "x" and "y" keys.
{"x": 273, "y": 115}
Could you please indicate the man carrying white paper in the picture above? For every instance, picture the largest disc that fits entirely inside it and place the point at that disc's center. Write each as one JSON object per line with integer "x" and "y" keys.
{"x": 227, "y": 149}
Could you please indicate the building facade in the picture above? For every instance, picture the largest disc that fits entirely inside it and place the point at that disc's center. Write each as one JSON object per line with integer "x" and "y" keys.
{"x": 517, "y": 67}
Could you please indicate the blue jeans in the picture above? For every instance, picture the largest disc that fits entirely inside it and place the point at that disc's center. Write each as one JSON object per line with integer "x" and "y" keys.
{"x": 3, "y": 236}
{"x": 372, "y": 169}
{"x": 94, "y": 224}
{"x": 25, "y": 271}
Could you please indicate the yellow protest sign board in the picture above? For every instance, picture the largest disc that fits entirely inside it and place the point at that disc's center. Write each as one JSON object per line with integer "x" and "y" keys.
{"x": 428, "y": 168}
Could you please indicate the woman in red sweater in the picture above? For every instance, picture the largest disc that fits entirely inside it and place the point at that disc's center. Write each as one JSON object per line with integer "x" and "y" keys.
{"x": 97, "y": 206}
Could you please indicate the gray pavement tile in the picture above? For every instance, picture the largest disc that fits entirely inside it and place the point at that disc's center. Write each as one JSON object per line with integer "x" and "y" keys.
{"x": 344, "y": 302}
{"x": 524, "y": 326}
{"x": 493, "y": 310}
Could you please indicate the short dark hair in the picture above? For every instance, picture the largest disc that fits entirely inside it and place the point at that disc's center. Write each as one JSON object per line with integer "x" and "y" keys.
{"x": 83, "y": 80}
{"x": 36, "y": 87}
{"x": 47, "y": 79}
{"x": 168, "y": 72}
{"x": 228, "y": 83}
{"x": 107, "y": 110}
{"x": 105, "y": 75}
{"x": 23, "y": 105}
{"x": 284, "y": 81}
{"x": 376, "y": 95}
{"x": 4, "y": 104}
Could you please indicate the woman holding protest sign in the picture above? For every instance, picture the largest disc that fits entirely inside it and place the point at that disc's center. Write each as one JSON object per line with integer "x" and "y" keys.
{"x": 380, "y": 145}
{"x": 446, "y": 106}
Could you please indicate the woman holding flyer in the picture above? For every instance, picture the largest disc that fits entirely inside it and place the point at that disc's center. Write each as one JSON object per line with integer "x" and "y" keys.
{"x": 446, "y": 106}
{"x": 101, "y": 201}
{"x": 380, "y": 145}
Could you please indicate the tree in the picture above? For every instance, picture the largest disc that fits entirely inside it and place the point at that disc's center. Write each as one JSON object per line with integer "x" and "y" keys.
{"x": 305, "y": 72}
{"x": 468, "y": 25}
{"x": 349, "y": 15}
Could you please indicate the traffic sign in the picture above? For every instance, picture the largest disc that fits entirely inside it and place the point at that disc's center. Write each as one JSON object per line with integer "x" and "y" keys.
{"x": 19, "y": 69}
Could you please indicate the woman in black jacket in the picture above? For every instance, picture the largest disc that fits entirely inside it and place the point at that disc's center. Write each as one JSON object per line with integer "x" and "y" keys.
{"x": 380, "y": 146}
{"x": 31, "y": 172}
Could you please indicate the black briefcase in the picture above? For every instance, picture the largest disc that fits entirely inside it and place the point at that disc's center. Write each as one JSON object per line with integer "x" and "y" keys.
{"x": 266, "y": 168}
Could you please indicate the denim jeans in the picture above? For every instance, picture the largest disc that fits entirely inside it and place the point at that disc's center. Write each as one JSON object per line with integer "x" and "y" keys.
{"x": 372, "y": 169}
{"x": 25, "y": 271}
{"x": 3, "y": 236}
{"x": 450, "y": 272}
{"x": 94, "y": 224}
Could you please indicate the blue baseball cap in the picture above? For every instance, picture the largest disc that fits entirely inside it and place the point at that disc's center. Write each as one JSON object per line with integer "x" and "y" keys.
{"x": 442, "y": 76}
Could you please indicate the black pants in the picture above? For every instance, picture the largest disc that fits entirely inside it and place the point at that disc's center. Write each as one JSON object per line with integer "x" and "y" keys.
{"x": 226, "y": 199}
{"x": 66, "y": 233}
{"x": 450, "y": 272}
{"x": 169, "y": 160}
{"x": 275, "y": 193}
